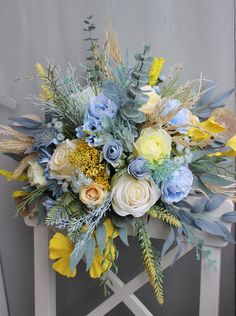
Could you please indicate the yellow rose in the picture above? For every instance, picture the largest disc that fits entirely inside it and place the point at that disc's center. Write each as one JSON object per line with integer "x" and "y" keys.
{"x": 92, "y": 194}
{"x": 60, "y": 166}
{"x": 153, "y": 99}
{"x": 35, "y": 174}
{"x": 153, "y": 144}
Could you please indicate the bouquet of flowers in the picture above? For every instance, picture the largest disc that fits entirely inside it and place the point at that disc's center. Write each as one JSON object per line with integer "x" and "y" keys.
{"x": 119, "y": 147}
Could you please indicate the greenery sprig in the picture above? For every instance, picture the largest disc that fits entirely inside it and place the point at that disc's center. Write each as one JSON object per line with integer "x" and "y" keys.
{"x": 151, "y": 260}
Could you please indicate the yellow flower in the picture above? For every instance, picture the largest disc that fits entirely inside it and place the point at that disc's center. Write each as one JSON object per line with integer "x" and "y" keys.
{"x": 155, "y": 70}
{"x": 87, "y": 159}
{"x": 102, "y": 263}
{"x": 153, "y": 99}
{"x": 229, "y": 153}
{"x": 45, "y": 94}
{"x": 8, "y": 175}
{"x": 210, "y": 125}
{"x": 232, "y": 144}
{"x": 18, "y": 194}
{"x": 60, "y": 248}
{"x": 93, "y": 193}
{"x": 41, "y": 70}
{"x": 153, "y": 144}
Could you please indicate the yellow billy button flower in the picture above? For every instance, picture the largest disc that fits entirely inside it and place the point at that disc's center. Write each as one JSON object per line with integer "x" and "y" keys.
{"x": 155, "y": 70}
{"x": 210, "y": 125}
{"x": 153, "y": 144}
{"x": 60, "y": 249}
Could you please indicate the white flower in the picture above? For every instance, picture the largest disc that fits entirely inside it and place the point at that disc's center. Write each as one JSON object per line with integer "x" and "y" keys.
{"x": 134, "y": 197}
{"x": 153, "y": 99}
{"x": 60, "y": 165}
{"x": 36, "y": 174}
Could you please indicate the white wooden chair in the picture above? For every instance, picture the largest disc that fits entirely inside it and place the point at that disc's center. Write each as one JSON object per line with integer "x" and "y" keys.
{"x": 45, "y": 279}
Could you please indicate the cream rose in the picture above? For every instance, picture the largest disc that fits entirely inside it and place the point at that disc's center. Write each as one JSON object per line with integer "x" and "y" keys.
{"x": 153, "y": 144}
{"x": 35, "y": 174}
{"x": 134, "y": 197}
{"x": 60, "y": 166}
{"x": 92, "y": 194}
{"x": 153, "y": 99}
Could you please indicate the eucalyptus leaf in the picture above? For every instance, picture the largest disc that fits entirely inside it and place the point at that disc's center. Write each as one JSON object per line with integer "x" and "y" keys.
{"x": 101, "y": 237}
{"x": 229, "y": 217}
{"x": 123, "y": 234}
{"x": 199, "y": 207}
{"x": 221, "y": 98}
{"x": 118, "y": 221}
{"x": 76, "y": 256}
{"x": 214, "y": 228}
{"x": 168, "y": 242}
{"x": 26, "y": 122}
{"x": 214, "y": 179}
{"x": 215, "y": 201}
{"x": 89, "y": 252}
{"x": 179, "y": 246}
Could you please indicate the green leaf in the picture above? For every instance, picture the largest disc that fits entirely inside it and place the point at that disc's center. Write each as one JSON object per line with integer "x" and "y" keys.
{"x": 76, "y": 256}
{"x": 118, "y": 221}
{"x": 210, "y": 178}
{"x": 89, "y": 252}
{"x": 101, "y": 237}
{"x": 123, "y": 234}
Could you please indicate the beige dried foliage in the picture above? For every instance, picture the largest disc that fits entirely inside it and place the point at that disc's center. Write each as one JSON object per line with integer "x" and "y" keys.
{"x": 112, "y": 45}
{"x": 14, "y": 142}
{"x": 227, "y": 118}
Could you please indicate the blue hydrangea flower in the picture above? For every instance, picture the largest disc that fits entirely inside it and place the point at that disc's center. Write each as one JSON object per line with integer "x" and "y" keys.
{"x": 112, "y": 151}
{"x": 181, "y": 118}
{"x": 101, "y": 106}
{"x": 178, "y": 186}
{"x": 139, "y": 168}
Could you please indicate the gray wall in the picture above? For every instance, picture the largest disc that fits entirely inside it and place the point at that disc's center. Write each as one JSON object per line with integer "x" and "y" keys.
{"x": 197, "y": 32}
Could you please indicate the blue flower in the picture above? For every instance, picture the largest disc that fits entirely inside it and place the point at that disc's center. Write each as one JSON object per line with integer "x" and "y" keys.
{"x": 181, "y": 118}
{"x": 79, "y": 132}
{"x": 139, "y": 168}
{"x": 91, "y": 125}
{"x": 178, "y": 186}
{"x": 101, "y": 106}
{"x": 112, "y": 151}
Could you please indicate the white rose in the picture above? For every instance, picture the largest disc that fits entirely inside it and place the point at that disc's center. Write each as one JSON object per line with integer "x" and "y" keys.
{"x": 153, "y": 99}
{"x": 36, "y": 174}
{"x": 60, "y": 164}
{"x": 134, "y": 197}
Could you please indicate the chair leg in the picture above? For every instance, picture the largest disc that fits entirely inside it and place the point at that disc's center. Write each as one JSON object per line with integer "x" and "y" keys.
{"x": 210, "y": 285}
{"x": 44, "y": 276}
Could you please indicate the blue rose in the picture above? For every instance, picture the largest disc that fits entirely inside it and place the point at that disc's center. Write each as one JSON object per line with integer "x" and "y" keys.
{"x": 91, "y": 125}
{"x": 112, "y": 151}
{"x": 79, "y": 132}
{"x": 139, "y": 168}
{"x": 178, "y": 186}
{"x": 181, "y": 118}
{"x": 101, "y": 106}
